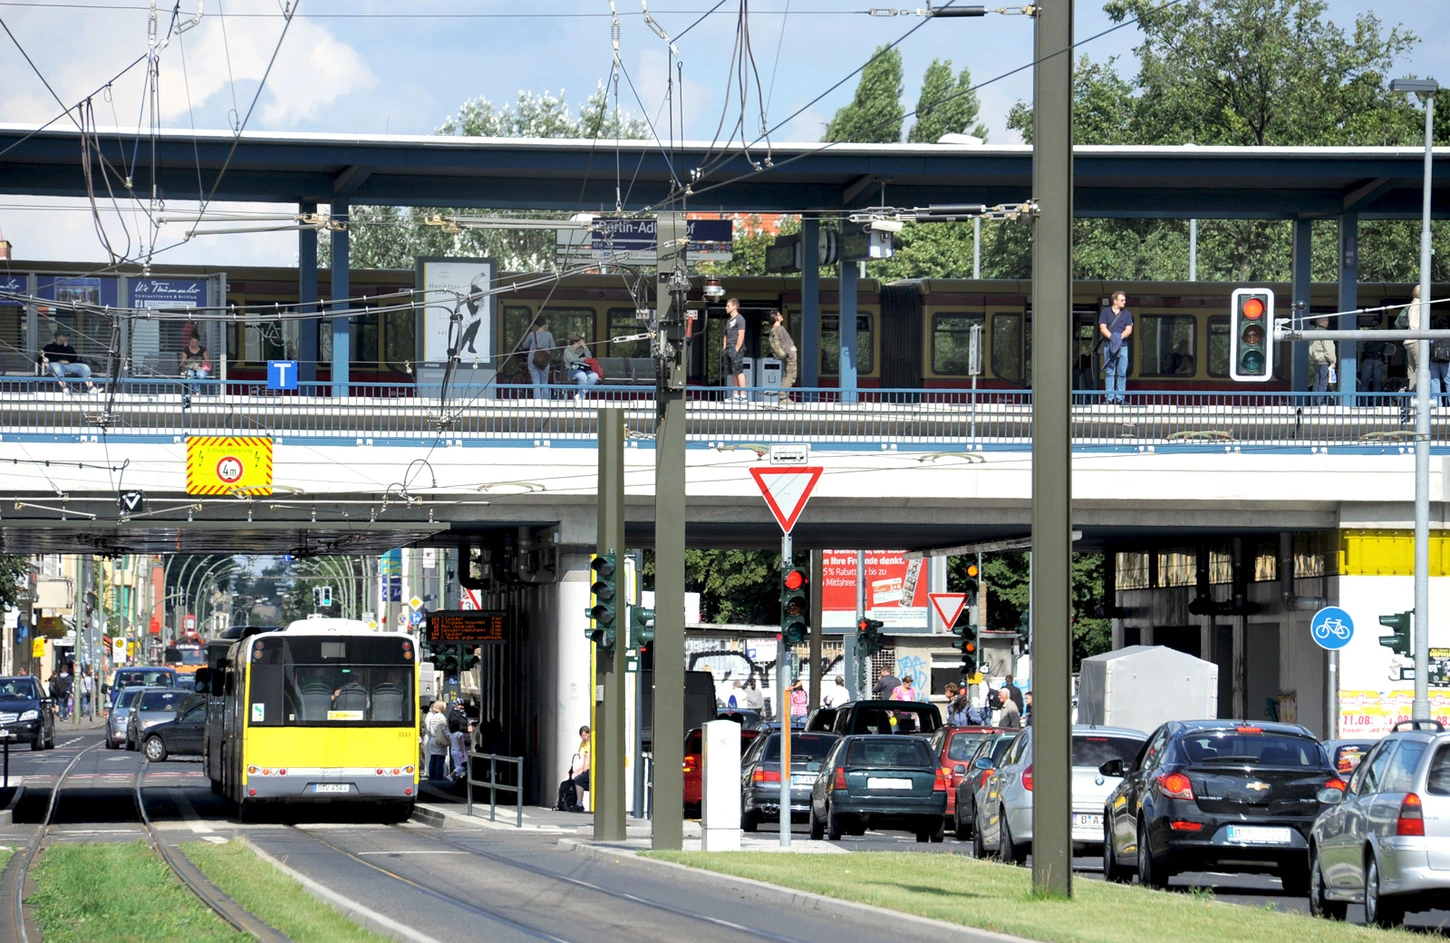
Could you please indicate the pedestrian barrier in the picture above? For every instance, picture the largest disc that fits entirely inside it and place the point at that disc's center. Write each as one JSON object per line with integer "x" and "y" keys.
{"x": 494, "y": 786}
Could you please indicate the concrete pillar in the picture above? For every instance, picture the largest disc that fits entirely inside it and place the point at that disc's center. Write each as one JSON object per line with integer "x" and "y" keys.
{"x": 563, "y": 660}
{"x": 1348, "y": 301}
{"x": 341, "y": 291}
{"x": 307, "y": 295}
{"x": 810, "y": 349}
{"x": 1301, "y": 277}
{"x": 850, "y": 273}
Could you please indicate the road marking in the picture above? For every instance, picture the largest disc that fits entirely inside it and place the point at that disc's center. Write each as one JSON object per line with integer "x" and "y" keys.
{"x": 188, "y": 812}
{"x": 215, "y": 839}
{"x": 361, "y": 853}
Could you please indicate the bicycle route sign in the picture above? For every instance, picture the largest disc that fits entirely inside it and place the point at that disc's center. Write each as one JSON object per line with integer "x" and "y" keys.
{"x": 1331, "y": 628}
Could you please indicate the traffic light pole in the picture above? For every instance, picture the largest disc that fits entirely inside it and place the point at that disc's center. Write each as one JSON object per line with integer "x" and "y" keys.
{"x": 609, "y": 729}
{"x": 1051, "y": 581}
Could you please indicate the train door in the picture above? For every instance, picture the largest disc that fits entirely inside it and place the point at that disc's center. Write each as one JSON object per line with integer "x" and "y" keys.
{"x": 1087, "y": 364}
{"x": 707, "y": 341}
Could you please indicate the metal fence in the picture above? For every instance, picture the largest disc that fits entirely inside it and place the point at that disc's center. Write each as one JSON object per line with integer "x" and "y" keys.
{"x": 494, "y": 786}
{"x": 915, "y": 418}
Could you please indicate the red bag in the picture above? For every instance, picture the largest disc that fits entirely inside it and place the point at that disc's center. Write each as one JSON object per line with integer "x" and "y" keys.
{"x": 593, "y": 365}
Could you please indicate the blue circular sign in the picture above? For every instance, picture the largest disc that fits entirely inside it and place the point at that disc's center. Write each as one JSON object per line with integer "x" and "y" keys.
{"x": 1331, "y": 628}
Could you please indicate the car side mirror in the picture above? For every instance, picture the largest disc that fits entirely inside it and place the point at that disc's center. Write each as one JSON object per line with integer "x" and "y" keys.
{"x": 203, "y": 680}
{"x": 1112, "y": 767}
{"x": 959, "y": 769}
{"x": 1330, "y": 795}
{"x": 984, "y": 763}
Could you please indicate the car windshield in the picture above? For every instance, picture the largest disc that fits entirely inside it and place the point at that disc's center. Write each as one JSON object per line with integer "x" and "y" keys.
{"x": 963, "y": 745}
{"x": 902, "y": 717}
{"x": 1347, "y": 756}
{"x": 126, "y": 698}
{"x": 18, "y": 689}
{"x": 161, "y": 700}
{"x": 1000, "y": 748}
{"x": 803, "y": 748}
{"x": 153, "y": 678}
{"x": 1237, "y": 748}
{"x": 1092, "y": 751}
{"x": 1437, "y": 783}
{"x": 879, "y": 753}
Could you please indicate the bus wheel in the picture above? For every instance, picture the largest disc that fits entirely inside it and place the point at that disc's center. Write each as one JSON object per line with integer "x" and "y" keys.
{"x": 399, "y": 811}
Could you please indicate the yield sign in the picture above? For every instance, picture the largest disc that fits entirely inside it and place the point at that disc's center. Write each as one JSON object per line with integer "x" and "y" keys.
{"x": 786, "y": 491}
{"x": 948, "y": 606}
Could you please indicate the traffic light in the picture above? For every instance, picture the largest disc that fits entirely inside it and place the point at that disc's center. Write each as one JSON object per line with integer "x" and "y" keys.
{"x": 1024, "y": 631}
{"x": 641, "y": 626}
{"x": 869, "y": 637}
{"x": 602, "y": 596}
{"x": 1399, "y": 641}
{"x": 795, "y": 604}
{"x": 1251, "y": 343}
{"x": 327, "y": 597}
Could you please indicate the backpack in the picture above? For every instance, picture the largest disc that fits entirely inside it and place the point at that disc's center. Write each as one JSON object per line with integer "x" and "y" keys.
{"x": 1440, "y": 351}
{"x": 540, "y": 359}
{"x": 1402, "y": 322}
{"x": 994, "y": 700}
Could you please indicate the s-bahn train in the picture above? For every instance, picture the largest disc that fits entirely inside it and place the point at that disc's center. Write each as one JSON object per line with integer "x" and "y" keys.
{"x": 911, "y": 334}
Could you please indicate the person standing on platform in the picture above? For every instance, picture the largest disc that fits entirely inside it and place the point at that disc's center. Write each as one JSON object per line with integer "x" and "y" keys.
{"x": 1322, "y": 361}
{"x": 1015, "y": 693}
{"x": 733, "y": 349}
{"x": 435, "y": 740}
{"x": 754, "y": 698}
{"x": 1115, "y": 323}
{"x": 539, "y": 348}
{"x": 783, "y": 347}
{"x": 1372, "y": 356}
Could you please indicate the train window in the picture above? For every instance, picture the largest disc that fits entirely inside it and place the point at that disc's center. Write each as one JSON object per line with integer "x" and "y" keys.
{"x": 14, "y": 352}
{"x": 1009, "y": 344}
{"x": 562, "y": 322}
{"x": 1218, "y": 338}
{"x": 831, "y": 344}
{"x": 951, "y": 342}
{"x": 622, "y": 323}
{"x": 1169, "y": 344}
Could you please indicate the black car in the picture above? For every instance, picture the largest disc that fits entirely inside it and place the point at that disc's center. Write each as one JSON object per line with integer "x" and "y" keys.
{"x": 876, "y": 717}
{"x": 1216, "y": 795}
{"x": 182, "y": 736}
{"x": 881, "y": 781}
{"x": 760, "y": 776}
{"x": 25, "y": 712}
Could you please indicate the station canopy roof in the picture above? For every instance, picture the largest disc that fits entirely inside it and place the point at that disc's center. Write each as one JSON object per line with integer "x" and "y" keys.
{"x": 580, "y": 175}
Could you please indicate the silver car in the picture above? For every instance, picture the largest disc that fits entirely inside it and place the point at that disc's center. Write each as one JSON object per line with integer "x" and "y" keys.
{"x": 1384, "y": 841}
{"x": 1004, "y": 801}
{"x": 120, "y": 713}
{"x": 154, "y": 706}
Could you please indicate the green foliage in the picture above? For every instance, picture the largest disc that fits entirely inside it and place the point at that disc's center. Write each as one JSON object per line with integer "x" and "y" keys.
{"x": 945, "y": 106}
{"x": 1007, "y": 576}
{"x": 14, "y": 581}
{"x": 736, "y": 587}
{"x": 874, "y": 115}
{"x": 750, "y": 241}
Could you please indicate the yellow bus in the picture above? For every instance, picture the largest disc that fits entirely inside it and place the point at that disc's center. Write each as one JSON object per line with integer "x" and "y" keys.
{"x": 324, "y": 710}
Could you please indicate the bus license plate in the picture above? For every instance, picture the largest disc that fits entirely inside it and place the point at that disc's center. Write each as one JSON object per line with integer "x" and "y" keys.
{"x": 331, "y": 787}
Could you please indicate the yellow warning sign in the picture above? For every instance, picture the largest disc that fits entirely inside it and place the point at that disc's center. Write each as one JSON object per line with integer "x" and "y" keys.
{"x": 225, "y": 464}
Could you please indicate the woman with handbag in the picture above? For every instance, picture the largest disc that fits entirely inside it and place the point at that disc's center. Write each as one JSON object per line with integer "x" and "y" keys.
{"x": 580, "y": 365}
{"x": 539, "y": 349}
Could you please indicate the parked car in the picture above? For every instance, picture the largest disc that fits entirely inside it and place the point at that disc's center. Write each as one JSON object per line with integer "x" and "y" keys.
{"x": 695, "y": 764}
{"x": 1347, "y": 754}
{"x": 877, "y": 717}
{"x": 1004, "y": 804}
{"x": 1384, "y": 839}
{"x": 179, "y": 736}
{"x": 151, "y": 677}
{"x": 25, "y": 712}
{"x": 953, "y": 747}
{"x": 152, "y": 707}
{"x": 119, "y": 716}
{"x": 747, "y": 719}
{"x": 1216, "y": 795}
{"x": 879, "y": 781}
{"x": 989, "y": 753}
{"x": 760, "y": 776}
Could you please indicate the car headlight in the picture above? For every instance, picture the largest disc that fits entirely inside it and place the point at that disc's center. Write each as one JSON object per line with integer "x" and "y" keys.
{"x": 30, "y": 715}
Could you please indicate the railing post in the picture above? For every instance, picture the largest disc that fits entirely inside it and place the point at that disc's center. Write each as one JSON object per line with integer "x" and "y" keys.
{"x": 492, "y": 785}
{"x": 519, "y": 796}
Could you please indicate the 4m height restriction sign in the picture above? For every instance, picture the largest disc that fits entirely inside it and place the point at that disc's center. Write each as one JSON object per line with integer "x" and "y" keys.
{"x": 225, "y": 464}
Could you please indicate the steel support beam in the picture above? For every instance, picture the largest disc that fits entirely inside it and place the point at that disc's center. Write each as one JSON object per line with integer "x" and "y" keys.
{"x": 1051, "y": 579}
{"x": 1348, "y": 301}
{"x": 609, "y": 730}
{"x": 341, "y": 291}
{"x": 1301, "y": 278}
{"x": 307, "y": 295}
{"x": 810, "y": 348}
{"x": 817, "y": 681}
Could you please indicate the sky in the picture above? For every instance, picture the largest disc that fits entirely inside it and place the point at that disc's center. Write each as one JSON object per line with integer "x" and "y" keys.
{"x": 360, "y": 66}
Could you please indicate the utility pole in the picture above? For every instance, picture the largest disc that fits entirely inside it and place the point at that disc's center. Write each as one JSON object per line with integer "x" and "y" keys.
{"x": 609, "y": 729}
{"x": 667, "y": 830}
{"x": 1051, "y": 594}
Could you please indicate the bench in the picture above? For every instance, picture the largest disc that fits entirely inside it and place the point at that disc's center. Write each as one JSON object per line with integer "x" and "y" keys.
{"x": 628, "y": 371}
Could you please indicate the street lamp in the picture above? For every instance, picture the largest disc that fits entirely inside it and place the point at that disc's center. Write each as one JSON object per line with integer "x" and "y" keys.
{"x": 1420, "y": 710}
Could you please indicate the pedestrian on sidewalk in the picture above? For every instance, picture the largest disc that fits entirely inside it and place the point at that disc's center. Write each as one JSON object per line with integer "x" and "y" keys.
{"x": 837, "y": 694}
{"x": 435, "y": 740}
{"x": 88, "y": 693}
{"x": 754, "y": 697}
{"x": 579, "y": 769}
{"x": 800, "y": 701}
{"x": 1011, "y": 718}
{"x": 460, "y": 729}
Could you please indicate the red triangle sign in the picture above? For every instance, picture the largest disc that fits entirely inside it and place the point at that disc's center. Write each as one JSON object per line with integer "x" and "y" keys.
{"x": 786, "y": 491}
{"x": 948, "y": 606}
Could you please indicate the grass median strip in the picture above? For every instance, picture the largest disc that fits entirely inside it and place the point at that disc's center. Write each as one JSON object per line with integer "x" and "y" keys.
{"x": 962, "y": 890}
{"x": 118, "y": 892}
{"x": 273, "y": 896}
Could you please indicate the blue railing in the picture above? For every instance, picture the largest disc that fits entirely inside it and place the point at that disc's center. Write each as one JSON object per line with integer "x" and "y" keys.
{"x": 914, "y": 418}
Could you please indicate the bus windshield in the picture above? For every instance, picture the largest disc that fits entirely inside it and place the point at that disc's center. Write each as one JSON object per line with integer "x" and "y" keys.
{"x": 192, "y": 654}
{"x": 307, "y": 681}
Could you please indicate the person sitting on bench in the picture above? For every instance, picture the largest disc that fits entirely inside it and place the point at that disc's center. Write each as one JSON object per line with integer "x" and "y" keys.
{"x": 61, "y": 359}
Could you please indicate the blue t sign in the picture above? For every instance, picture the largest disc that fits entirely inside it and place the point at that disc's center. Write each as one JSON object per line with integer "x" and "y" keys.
{"x": 281, "y": 374}
{"x": 1332, "y": 628}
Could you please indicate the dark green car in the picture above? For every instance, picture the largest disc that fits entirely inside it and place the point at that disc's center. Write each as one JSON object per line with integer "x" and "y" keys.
{"x": 879, "y": 781}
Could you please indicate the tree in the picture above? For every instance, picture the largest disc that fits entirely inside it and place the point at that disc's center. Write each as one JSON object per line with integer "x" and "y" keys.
{"x": 736, "y": 587}
{"x": 752, "y": 237}
{"x": 14, "y": 581}
{"x": 874, "y": 115}
{"x": 945, "y": 107}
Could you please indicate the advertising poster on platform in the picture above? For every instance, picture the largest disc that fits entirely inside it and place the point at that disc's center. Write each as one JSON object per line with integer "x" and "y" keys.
{"x": 896, "y": 590}
{"x": 1376, "y": 685}
{"x": 443, "y": 281}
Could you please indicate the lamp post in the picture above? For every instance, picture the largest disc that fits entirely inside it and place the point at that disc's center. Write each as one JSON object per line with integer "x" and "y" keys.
{"x": 1420, "y": 710}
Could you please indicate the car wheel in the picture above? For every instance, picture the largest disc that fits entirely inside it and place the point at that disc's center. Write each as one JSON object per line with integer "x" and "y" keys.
{"x": 938, "y": 834}
{"x": 748, "y": 821}
{"x": 818, "y": 828}
{"x": 835, "y": 828}
{"x": 1296, "y": 882}
{"x": 38, "y": 743}
{"x": 1151, "y": 872}
{"x": 155, "y": 749}
{"x": 1319, "y": 904}
{"x": 979, "y": 844}
{"x": 1113, "y": 870}
{"x": 1011, "y": 853}
{"x": 960, "y": 828}
{"x": 110, "y": 741}
{"x": 1379, "y": 911}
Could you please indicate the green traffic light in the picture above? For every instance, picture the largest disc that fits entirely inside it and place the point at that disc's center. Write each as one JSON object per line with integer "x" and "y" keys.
{"x": 1399, "y": 641}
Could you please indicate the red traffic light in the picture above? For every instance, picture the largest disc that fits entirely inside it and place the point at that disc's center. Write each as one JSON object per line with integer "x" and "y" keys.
{"x": 1253, "y": 308}
{"x": 862, "y": 626}
{"x": 794, "y": 580}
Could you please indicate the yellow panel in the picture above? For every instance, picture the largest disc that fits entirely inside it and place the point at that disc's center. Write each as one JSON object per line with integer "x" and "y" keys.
{"x": 1390, "y": 553}
{"x": 222, "y": 464}
{"x": 331, "y": 746}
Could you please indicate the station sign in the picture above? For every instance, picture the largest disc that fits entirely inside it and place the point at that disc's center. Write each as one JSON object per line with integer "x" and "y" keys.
{"x": 633, "y": 240}
{"x": 460, "y": 627}
{"x": 223, "y": 464}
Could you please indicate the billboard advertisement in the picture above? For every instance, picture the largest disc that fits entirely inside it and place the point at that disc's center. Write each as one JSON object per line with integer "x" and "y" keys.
{"x": 896, "y": 590}
{"x": 444, "y": 282}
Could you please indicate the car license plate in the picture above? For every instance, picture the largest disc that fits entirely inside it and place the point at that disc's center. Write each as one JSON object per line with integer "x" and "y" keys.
{"x": 331, "y": 787}
{"x": 1259, "y": 835}
{"x": 1086, "y": 820}
{"x": 804, "y": 780}
{"x": 875, "y": 782}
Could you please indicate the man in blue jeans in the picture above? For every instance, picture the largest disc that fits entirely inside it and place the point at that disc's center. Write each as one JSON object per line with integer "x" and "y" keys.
{"x": 1116, "y": 325}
